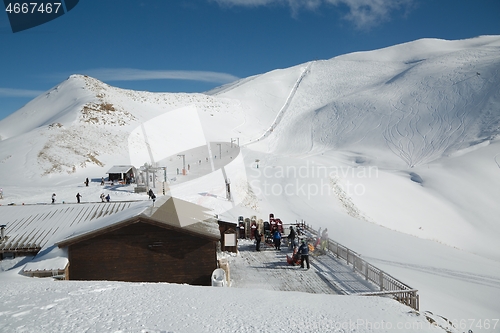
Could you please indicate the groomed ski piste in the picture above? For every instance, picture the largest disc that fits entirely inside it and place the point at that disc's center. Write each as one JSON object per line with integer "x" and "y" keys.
{"x": 395, "y": 151}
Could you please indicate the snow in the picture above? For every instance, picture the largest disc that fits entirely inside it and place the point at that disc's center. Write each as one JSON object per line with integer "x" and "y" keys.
{"x": 395, "y": 151}
{"x": 44, "y": 305}
{"x": 48, "y": 306}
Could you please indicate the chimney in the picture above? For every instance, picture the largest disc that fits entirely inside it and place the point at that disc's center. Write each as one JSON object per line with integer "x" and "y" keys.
{"x": 2, "y": 231}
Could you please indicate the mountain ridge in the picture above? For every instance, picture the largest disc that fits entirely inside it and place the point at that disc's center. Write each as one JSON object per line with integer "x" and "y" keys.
{"x": 410, "y": 112}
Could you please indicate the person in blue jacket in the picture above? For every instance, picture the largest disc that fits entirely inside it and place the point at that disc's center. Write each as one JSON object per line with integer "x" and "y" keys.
{"x": 304, "y": 254}
{"x": 277, "y": 239}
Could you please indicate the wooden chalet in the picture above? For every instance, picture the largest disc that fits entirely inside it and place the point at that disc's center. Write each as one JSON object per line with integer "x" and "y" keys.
{"x": 165, "y": 244}
{"x": 173, "y": 241}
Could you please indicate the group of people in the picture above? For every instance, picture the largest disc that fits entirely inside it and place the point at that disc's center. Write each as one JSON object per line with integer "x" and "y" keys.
{"x": 303, "y": 250}
{"x": 276, "y": 234}
{"x": 107, "y": 197}
{"x": 79, "y": 196}
{"x": 103, "y": 197}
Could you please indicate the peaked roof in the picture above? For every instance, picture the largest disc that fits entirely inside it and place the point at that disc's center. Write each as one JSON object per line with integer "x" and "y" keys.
{"x": 168, "y": 212}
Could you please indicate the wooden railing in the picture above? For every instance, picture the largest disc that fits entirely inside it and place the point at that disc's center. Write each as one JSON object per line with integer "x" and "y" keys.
{"x": 388, "y": 284}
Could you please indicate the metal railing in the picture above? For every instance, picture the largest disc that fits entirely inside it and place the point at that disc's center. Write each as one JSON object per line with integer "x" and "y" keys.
{"x": 388, "y": 284}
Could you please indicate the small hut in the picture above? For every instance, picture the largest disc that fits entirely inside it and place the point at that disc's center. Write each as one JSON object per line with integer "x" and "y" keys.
{"x": 125, "y": 173}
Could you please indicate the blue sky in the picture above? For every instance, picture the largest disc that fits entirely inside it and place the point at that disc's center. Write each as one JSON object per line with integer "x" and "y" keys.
{"x": 196, "y": 45}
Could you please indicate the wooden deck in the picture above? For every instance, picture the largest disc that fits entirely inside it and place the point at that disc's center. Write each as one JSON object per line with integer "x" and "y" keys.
{"x": 269, "y": 270}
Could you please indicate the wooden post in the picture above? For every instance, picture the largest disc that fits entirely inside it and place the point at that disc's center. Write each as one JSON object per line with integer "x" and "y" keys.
{"x": 415, "y": 301}
{"x": 366, "y": 271}
{"x": 381, "y": 280}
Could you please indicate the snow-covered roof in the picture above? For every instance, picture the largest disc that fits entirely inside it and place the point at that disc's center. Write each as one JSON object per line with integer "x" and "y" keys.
{"x": 30, "y": 228}
{"x": 34, "y": 228}
{"x": 120, "y": 169}
{"x": 168, "y": 211}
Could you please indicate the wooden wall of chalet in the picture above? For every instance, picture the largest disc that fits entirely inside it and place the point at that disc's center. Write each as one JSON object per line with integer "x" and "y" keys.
{"x": 142, "y": 252}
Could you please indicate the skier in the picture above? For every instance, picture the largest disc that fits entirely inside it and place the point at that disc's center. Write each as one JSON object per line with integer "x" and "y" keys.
{"x": 86, "y": 182}
{"x": 53, "y": 198}
{"x": 78, "y": 196}
{"x": 304, "y": 254}
{"x": 102, "y": 181}
{"x": 108, "y": 198}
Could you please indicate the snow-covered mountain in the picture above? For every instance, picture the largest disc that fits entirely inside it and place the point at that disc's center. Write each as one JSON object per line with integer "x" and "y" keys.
{"x": 413, "y": 103}
{"x": 395, "y": 150}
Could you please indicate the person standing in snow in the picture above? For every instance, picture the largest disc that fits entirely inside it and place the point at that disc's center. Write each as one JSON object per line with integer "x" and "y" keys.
{"x": 152, "y": 196}
{"x": 108, "y": 198}
{"x": 277, "y": 239}
{"x": 102, "y": 197}
{"x": 86, "y": 182}
{"x": 318, "y": 238}
{"x": 291, "y": 236}
{"x": 324, "y": 239}
{"x": 304, "y": 254}
{"x": 78, "y": 196}
{"x": 102, "y": 181}
{"x": 53, "y": 198}
{"x": 258, "y": 239}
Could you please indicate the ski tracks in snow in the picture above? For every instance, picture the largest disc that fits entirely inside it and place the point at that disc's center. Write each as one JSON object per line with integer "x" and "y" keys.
{"x": 418, "y": 131}
{"x": 485, "y": 280}
{"x": 285, "y": 106}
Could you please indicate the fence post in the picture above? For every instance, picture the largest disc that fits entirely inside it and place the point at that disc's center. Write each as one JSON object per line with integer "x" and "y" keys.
{"x": 347, "y": 256}
{"x": 366, "y": 270}
{"x": 381, "y": 280}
